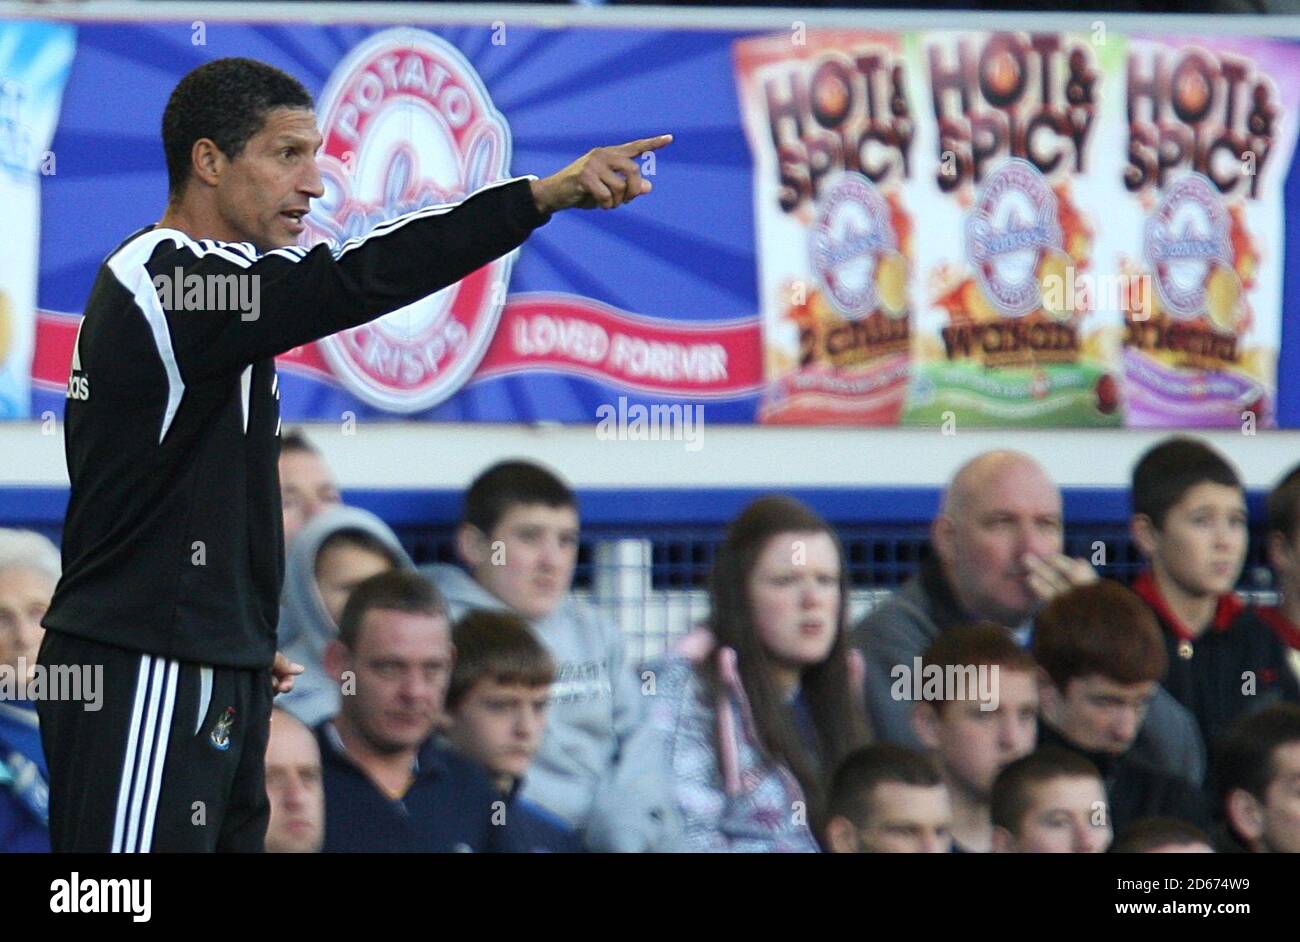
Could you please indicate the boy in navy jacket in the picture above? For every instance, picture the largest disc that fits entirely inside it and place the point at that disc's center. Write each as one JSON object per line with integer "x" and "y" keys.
{"x": 389, "y": 785}
{"x": 497, "y": 705}
{"x": 1189, "y": 522}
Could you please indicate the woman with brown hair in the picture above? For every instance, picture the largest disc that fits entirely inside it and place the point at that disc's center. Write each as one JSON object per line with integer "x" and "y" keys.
{"x": 755, "y": 711}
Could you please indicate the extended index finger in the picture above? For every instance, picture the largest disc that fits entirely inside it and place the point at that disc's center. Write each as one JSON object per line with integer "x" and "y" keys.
{"x": 632, "y": 148}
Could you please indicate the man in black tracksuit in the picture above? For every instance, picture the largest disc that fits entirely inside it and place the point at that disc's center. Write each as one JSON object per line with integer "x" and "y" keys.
{"x": 172, "y": 546}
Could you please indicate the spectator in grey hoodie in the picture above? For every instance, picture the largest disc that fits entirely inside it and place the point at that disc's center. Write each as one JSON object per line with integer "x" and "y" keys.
{"x": 519, "y": 542}
{"x": 997, "y": 556}
{"x": 333, "y": 553}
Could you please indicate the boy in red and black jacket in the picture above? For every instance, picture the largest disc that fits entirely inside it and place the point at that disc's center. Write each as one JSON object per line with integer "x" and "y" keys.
{"x": 1189, "y": 523}
{"x": 1283, "y": 542}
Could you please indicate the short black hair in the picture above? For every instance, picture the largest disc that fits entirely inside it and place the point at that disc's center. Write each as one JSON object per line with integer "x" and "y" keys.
{"x": 1143, "y": 835}
{"x": 225, "y": 100}
{"x": 1173, "y": 467}
{"x": 296, "y": 440}
{"x": 1284, "y": 506}
{"x": 863, "y": 770}
{"x": 398, "y": 589}
{"x": 508, "y": 484}
{"x": 1246, "y": 753}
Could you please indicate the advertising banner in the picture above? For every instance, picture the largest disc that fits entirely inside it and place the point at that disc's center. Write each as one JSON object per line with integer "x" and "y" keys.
{"x": 851, "y": 226}
{"x": 34, "y": 62}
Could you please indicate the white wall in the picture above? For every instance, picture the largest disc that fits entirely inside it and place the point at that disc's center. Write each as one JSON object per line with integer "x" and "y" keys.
{"x": 419, "y": 455}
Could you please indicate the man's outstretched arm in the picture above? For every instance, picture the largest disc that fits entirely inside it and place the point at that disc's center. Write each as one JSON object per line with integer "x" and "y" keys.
{"x": 305, "y": 294}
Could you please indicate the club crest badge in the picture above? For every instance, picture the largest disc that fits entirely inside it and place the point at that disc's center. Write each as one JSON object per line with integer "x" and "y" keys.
{"x": 408, "y": 124}
{"x": 220, "y": 735}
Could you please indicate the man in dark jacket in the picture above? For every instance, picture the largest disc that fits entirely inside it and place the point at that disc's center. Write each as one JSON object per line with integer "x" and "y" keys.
{"x": 389, "y": 785}
{"x": 29, "y": 568}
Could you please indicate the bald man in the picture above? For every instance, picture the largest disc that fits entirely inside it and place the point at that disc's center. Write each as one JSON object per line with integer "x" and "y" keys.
{"x": 997, "y": 555}
{"x": 998, "y": 538}
{"x": 294, "y": 787}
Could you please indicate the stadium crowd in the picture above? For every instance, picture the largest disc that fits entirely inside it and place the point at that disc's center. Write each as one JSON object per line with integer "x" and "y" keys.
{"x": 1004, "y": 699}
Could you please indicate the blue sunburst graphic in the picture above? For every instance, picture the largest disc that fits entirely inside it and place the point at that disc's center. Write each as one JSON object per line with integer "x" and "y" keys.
{"x": 684, "y": 252}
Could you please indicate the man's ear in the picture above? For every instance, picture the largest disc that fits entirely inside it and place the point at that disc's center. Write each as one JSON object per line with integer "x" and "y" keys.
{"x": 1003, "y": 841}
{"x": 842, "y": 836}
{"x": 1245, "y": 816}
{"x": 925, "y": 723}
{"x": 472, "y": 546}
{"x": 941, "y": 536}
{"x": 207, "y": 162}
{"x": 1145, "y": 534}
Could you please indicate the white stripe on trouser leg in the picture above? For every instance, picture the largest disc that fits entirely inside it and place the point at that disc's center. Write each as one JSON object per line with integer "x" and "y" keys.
{"x": 128, "y": 762}
{"x": 160, "y": 756}
{"x": 140, "y": 778}
{"x": 153, "y": 754}
{"x": 205, "y": 696}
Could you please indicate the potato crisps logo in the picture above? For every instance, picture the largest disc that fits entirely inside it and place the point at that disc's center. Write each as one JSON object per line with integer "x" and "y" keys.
{"x": 408, "y": 124}
{"x": 1010, "y": 228}
{"x": 1186, "y": 242}
{"x": 846, "y": 245}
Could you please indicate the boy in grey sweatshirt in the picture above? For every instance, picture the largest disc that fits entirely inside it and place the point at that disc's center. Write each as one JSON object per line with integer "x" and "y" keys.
{"x": 519, "y": 543}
